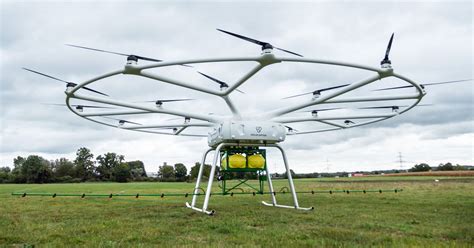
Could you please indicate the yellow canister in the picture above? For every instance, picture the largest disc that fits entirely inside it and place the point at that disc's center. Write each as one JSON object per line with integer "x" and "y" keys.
{"x": 235, "y": 161}
{"x": 256, "y": 161}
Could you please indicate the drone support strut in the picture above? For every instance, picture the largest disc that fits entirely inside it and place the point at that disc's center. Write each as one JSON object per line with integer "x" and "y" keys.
{"x": 270, "y": 184}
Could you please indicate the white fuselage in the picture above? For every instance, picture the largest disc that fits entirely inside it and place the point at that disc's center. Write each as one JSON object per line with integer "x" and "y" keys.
{"x": 248, "y": 132}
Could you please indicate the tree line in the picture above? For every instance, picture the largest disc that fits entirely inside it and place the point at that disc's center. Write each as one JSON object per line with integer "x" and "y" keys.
{"x": 107, "y": 167}
{"x": 113, "y": 167}
{"x": 441, "y": 167}
{"x": 88, "y": 168}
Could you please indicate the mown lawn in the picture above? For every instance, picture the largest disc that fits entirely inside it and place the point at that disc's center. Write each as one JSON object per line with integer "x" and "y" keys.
{"x": 426, "y": 213}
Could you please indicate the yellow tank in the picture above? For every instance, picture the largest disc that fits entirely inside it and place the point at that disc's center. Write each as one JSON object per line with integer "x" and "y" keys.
{"x": 256, "y": 161}
{"x": 235, "y": 161}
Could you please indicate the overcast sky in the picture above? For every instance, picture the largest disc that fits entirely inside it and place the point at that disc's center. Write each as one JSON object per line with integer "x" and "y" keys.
{"x": 433, "y": 43}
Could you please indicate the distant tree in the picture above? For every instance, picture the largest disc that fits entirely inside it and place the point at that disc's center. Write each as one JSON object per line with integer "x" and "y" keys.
{"x": 166, "y": 172}
{"x": 195, "y": 170}
{"x": 137, "y": 169}
{"x": 446, "y": 167}
{"x": 36, "y": 170}
{"x": 5, "y": 174}
{"x": 420, "y": 167}
{"x": 459, "y": 167}
{"x": 180, "y": 172}
{"x": 16, "y": 174}
{"x": 63, "y": 167}
{"x": 121, "y": 172}
{"x": 84, "y": 164}
{"x": 293, "y": 174}
{"x": 106, "y": 165}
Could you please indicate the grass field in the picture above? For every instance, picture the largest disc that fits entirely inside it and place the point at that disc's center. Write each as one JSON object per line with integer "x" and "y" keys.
{"x": 426, "y": 213}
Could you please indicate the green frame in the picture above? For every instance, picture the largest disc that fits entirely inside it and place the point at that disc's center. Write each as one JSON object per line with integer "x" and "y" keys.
{"x": 226, "y": 173}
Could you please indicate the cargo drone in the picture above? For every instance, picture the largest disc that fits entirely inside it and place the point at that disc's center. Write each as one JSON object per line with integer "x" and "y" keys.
{"x": 237, "y": 139}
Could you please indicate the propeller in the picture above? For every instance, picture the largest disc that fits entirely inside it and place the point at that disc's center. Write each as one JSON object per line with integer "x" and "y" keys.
{"x": 160, "y": 102}
{"x": 318, "y": 91}
{"x": 265, "y": 45}
{"x": 314, "y": 111}
{"x": 133, "y": 57}
{"x": 77, "y": 106}
{"x": 67, "y": 83}
{"x": 394, "y": 107}
{"x": 386, "y": 60}
{"x": 290, "y": 129}
{"x": 222, "y": 84}
{"x": 186, "y": 119}
{"x": 121, "y": 122}
{"x": 348, "y": 122}
{"x": 423, "y": 85}
{"x": 175, "y": 129}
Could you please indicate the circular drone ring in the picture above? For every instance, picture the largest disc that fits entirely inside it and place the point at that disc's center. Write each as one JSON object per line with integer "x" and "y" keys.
{"x": 266, "y": 59}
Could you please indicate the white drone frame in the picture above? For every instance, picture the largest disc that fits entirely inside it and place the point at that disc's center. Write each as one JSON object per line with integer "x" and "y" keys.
{"x": 267, "y": 58}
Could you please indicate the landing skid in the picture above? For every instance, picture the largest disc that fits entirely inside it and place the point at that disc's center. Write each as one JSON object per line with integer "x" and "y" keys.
{"x": 213, "y": 171}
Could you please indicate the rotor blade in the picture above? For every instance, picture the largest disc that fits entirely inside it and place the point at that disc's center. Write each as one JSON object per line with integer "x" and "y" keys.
{"x": 90, "y": 106}
{"x": 393, "y": 88}
{"x": 169, "y": 100}
{"x": 123, "y": 54}
{"x": 176, "y": 100}
{"x": 120, "y": 120}
{"x": 290, "y": 128}
{"x": 213, "y": 79}
{"x": 410, "y": 86}
{"x": 319, "y": 110}
{"x": 42, "y": 74}
{"x": 298, "y": 95}
{"x": 261, "y": 43}
{"x": 281, "y": 49}
{"x": 98, "y": 92}
{"x": 319, "y": 90}
{"x": 395, "y": 106}
{"x": 98, "y": 50}
{"x": 218, "y": 81}
{"x": 389, "y": 46}
{"x": 334, "y": 87}
{"x": 152, "y": 59}
{"x": 76, "y": 105}
{"x": 449, "y": 82}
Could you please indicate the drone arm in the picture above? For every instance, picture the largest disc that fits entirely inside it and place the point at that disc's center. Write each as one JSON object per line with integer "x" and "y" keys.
{"x": 79, "y": 86}
{"x": 332, "y": 124}
{"x": 193, "y": 115}
{"x": 109, "y": 113}
{"x": 315, "y": 131}
{"x": 180, "y": 130}
{"x": 242, "y": 80}
{"x": 232, "y": 107}
{"x": 322, "y": 99}
{"x": 305, "y": 119}
{"x": 372, "y": 99}
{"x": 170, "y": 126}
{"x": 178, "y": 83}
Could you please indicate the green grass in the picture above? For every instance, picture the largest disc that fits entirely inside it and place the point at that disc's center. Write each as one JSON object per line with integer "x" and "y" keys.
{"x": 426, "y": 213}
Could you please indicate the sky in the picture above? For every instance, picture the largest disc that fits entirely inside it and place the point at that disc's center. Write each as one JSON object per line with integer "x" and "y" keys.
{"x": 433, "y": 43}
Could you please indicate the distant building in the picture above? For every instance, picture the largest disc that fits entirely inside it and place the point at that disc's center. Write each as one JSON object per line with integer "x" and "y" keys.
{"x": 358, "y": 175}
